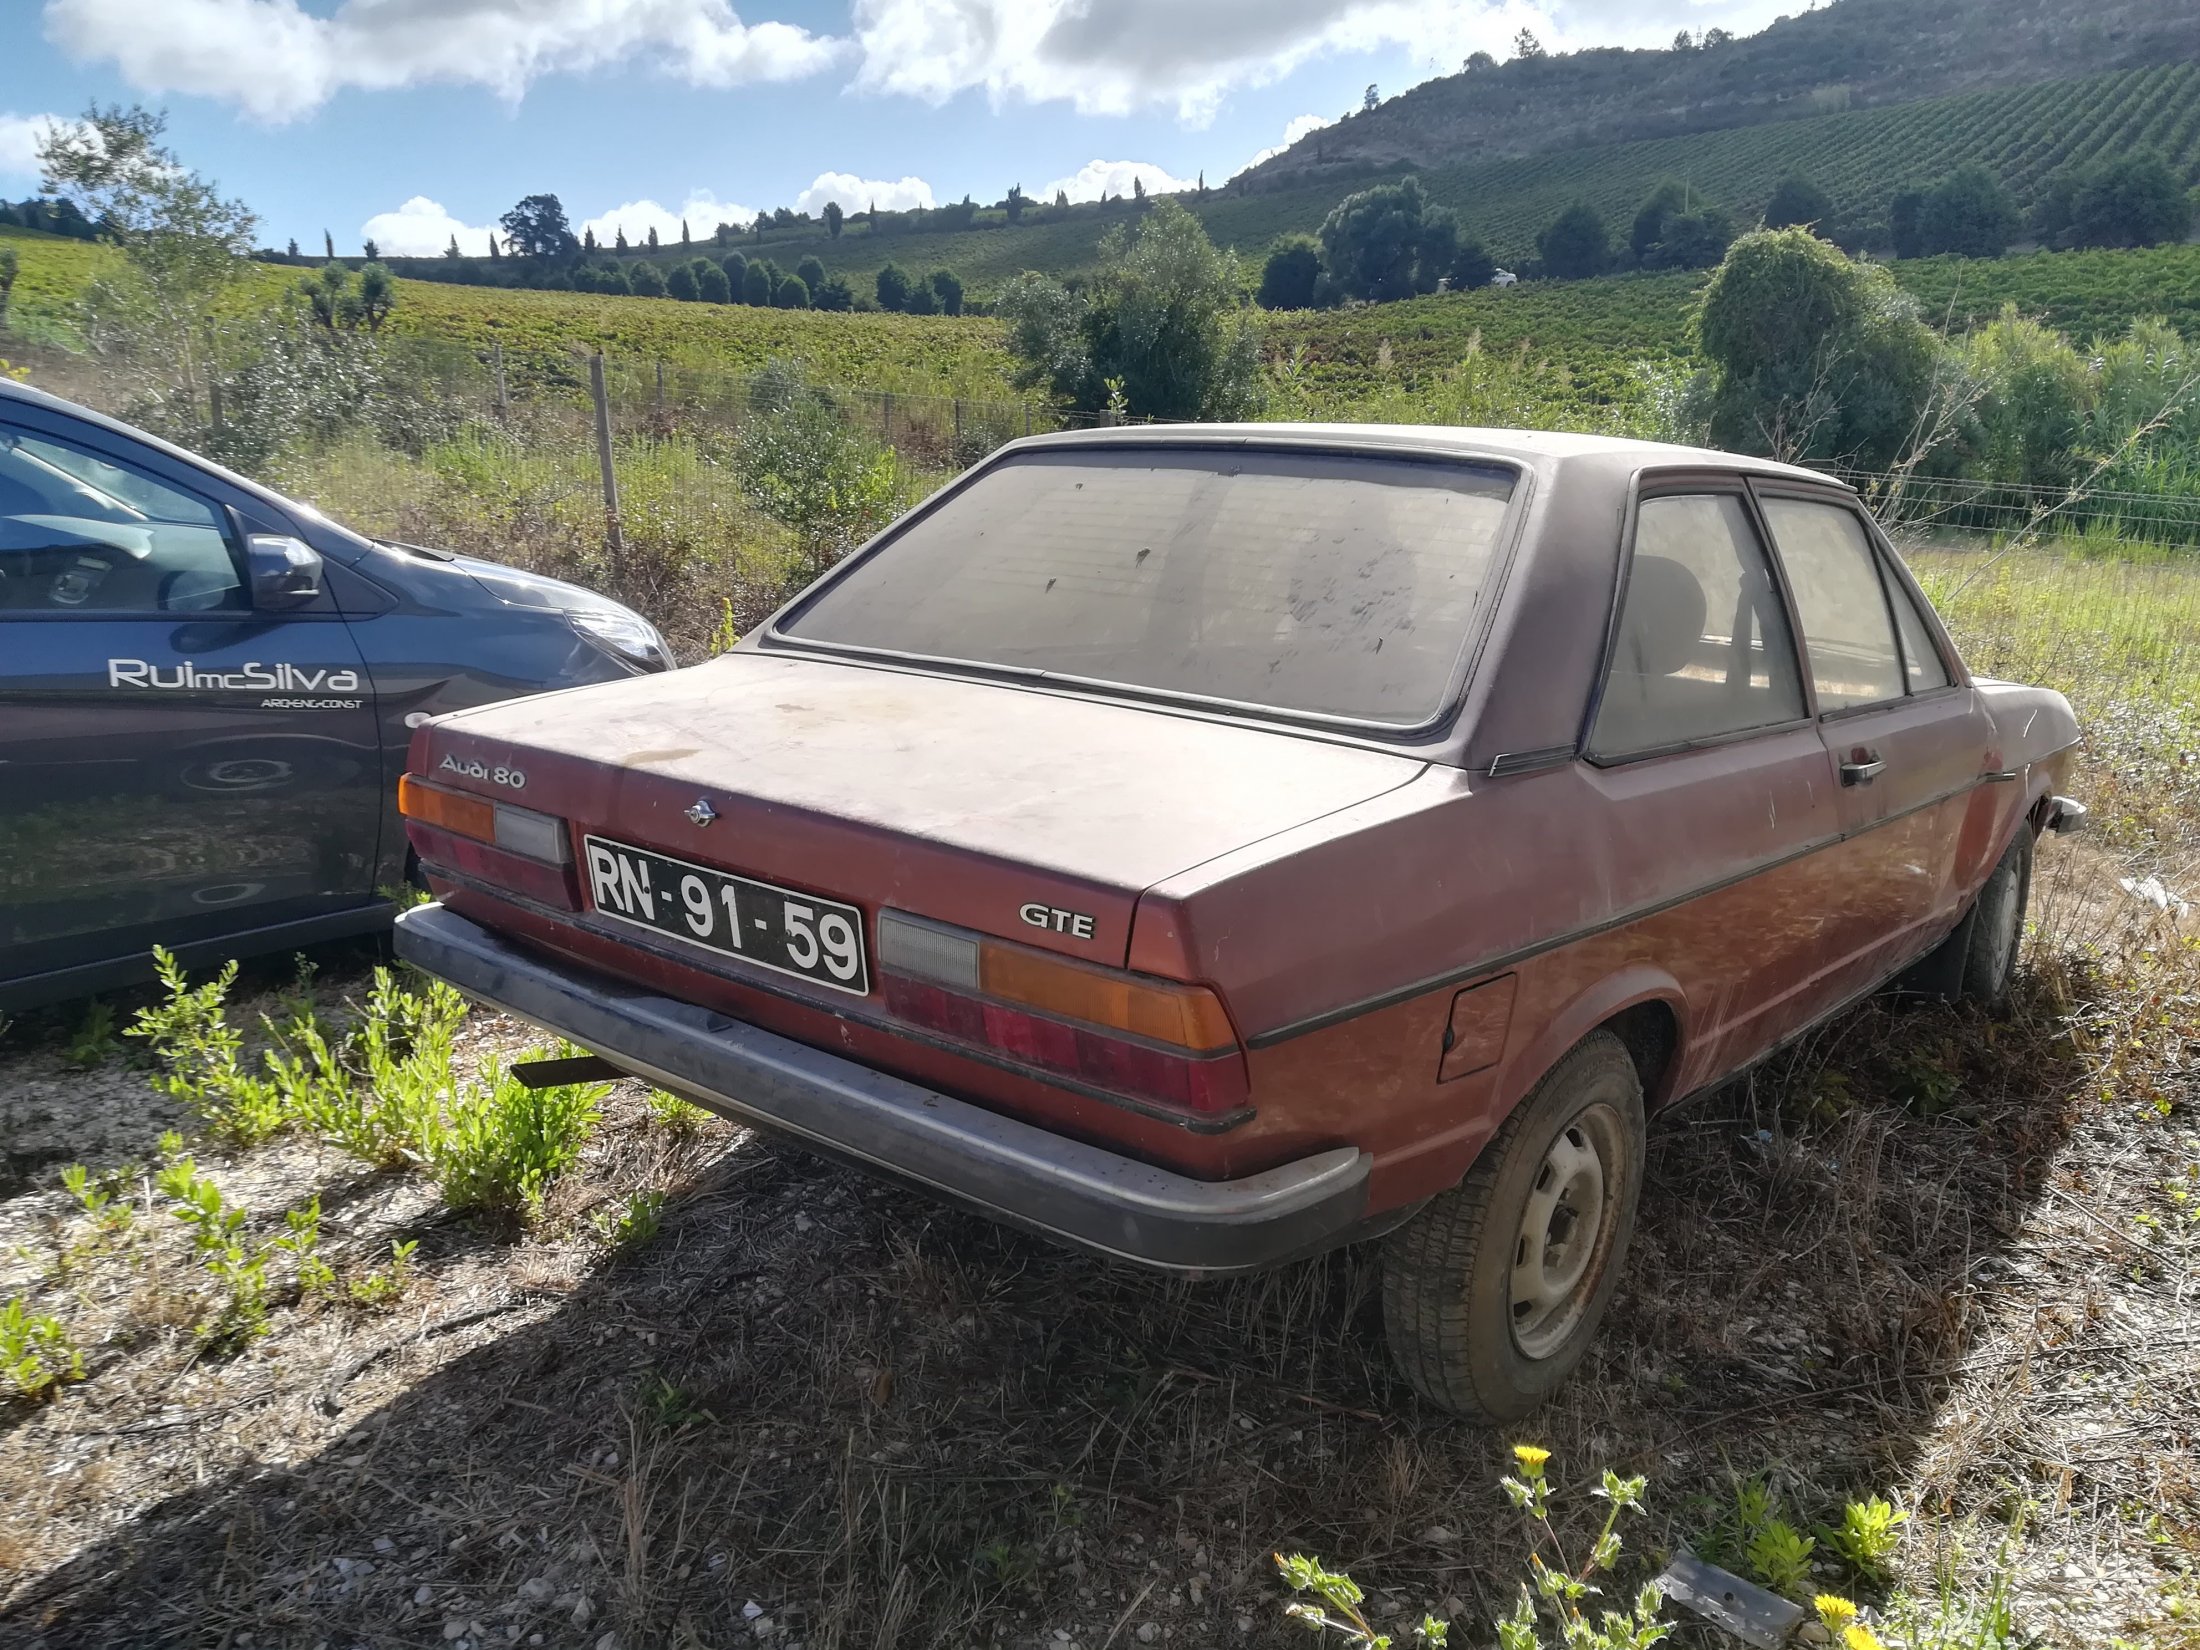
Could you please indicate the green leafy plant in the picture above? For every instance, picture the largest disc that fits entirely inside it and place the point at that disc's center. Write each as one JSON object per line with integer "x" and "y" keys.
{"x": 1868, "y": 1534}
{"x": 675, "y": 1115}
{"x": 200, "y": 1054}
{"x": 1556, "y": 1594}
{"x": 110, "y": 1215}
{"x": 238, "y": 1269}
{"x": 36, "y": 1352}
{"x": 381, "y": 1286}
{"x": 94, "y": 1042}
{"x": 630, "y": 1223}
{"x": 502, "y": 1142}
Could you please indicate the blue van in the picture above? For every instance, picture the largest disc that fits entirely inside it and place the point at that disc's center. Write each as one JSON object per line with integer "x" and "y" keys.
{"x": 206, "y": 693}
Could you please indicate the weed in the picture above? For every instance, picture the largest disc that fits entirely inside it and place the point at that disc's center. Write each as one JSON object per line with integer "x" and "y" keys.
{"x": 1869, "y": 1532}
{"x": 503, "y": 1142}
{"x": 381, "y": 1286}
{"x": 1779, "y": 1556}
{"x": 1555, "y": 1591}
{"x": 35, "y": 1352}
{"x": 94, "y": 1042}
{"x": 199, "y": 1053}
{"x": 675, "y": 1115}
{"x": 630, "y": 1223}
{"x": 668, "y": 1406}
{"x": 109, "y": 1214}
{"x": 218, "y": 1237}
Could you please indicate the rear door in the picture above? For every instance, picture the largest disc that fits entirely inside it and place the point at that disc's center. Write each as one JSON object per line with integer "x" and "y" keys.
{"x": 173, "y": 765}
{"x": 1906, "y": 737}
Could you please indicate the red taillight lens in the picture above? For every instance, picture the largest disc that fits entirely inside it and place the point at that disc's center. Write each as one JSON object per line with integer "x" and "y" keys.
{"x": 1148, "y": 1039}
{"x": 515, "y": 830}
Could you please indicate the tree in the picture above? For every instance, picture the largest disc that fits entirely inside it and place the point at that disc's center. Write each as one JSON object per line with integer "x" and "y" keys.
{"x": 1061, "y": 200}
{"x": 611, "y": 278}
{"x": 1682, "y": 42}
{"x": 812, "y": 272}
{"x": 711, "y": 285}
{"x": 1677, "y": 229}
{"x": 451, "y": 252}
{"x": 1472, "y": 268}
{"x": 2126, "y": 200}
{"x": 757, "y": 283}
{"x": 1813, "y": 358}
{"x": 922, "y": 299}
{"x": 537, "y": 228}
{"x": 292, "y": 251}
{"x": 646, "y": 279}
{"x": 1798, "y": 203}
{"x": 328, "y": 246}
{"x": 684, "y": 241}
{"x": 1370, "y": 101}
{"x": 1388, "y": 242}
{"x": 1161, "y": 327}
{"x": 588, "y": 240}
{"x": 1527, "y": 47}
{"x": 339, "y": 304}
{"x": 736, "y": 266}
{"x": 947, "y": 287}
{"x": 1478, "y": 61}
{"x": 1016, "y": 202}
{"x": 680, "y": 283}
{"x": 1906, "y": 223}
{"x": 834, "y": 294}
{"x": 1138, "y": 187}
{"x": 1713, "y": 39}
{"x": 652, "y": 242}
{"x": 10, "y": 262}
{"x": 1575, "y": 244}
{"x": 833, "y": 220}
{"x": 892, "y": 288}
{"x": 493, "y": 252}
{"x": 792, "y": 293}
{"x": 1292, "y": 274}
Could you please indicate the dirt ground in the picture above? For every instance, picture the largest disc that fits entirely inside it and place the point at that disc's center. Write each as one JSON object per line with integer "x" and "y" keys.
{"x": 1929, "y": 1256}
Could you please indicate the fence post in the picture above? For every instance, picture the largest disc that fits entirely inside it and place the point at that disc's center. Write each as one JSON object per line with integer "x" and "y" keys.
{"x": 614, "y": 536}
{"x": 504, "y": 405}
{"x": 886, "y": 419}
{"x": 958, "y": 424}
{"x": 660, "y": 385}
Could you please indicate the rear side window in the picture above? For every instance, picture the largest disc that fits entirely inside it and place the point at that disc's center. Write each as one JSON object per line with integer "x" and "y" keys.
{"x": 1841, "y": 601}
{"x": 1703, "y": 650}
{"x": 81, "y": 533}
{"x": 1919, "y": 656}
{"x": 1307, "y": 583}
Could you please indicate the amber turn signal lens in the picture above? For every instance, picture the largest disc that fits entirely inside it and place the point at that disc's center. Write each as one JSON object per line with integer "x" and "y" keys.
{"x": 1183, "y": 1016}
{"x": 453, "y": 811}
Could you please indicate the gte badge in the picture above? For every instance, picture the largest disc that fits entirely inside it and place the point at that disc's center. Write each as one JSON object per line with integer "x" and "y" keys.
{"x": 1073, "y": 923}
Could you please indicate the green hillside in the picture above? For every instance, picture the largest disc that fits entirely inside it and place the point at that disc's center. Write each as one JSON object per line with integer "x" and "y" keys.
{"x": 1861, "y": 157}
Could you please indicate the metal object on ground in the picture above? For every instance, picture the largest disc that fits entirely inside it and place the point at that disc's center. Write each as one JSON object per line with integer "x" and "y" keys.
{"x": 1742, "y": 1608}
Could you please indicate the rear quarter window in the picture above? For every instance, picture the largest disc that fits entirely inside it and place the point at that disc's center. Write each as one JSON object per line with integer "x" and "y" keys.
{"x": 1325, "y": 585}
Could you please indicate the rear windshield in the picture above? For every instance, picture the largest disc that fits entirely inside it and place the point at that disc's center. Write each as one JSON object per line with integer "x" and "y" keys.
{"x": 1306, "y": 583}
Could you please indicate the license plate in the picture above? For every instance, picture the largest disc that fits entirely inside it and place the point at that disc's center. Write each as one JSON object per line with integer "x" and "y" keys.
{"x": 813, "y": 939}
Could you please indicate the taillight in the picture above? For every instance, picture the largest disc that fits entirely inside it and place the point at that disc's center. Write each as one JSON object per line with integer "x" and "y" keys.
{"x": 1129, "y": 1034}
{"x": 516, "y": 830}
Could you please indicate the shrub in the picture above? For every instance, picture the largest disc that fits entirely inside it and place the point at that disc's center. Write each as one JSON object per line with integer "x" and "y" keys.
{"x": 757, "y": 282}
{"x": 1968, "y": 213}
{"x": 947, "y": 289}
{"x": 1798, "y": 203}
{"x": 2134, "y": 199}
{"x": 502, "y": 1143}
{"x": 711, "y": 285}
{"x": 802, "y": 465}
{"x": 892, "y": 288}
{"x": 922, "y": 300}
{"x": 36, "y": 1352}
{"x": 646, "y": 279}
{"x": 791, "y": 293}
{"x": 811, "y": 271}
{"x": 833, "y": 294}
{"x": 680, "y": 283}
{"x": 198, "y": 1054}
{"x": 735, "y": 266}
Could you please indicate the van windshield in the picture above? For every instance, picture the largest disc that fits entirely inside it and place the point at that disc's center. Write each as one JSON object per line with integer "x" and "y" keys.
{"x": 1315, "y": 584}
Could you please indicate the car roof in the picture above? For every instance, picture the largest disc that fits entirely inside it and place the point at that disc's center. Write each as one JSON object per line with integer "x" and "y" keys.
{"x": 1537, "y": 448}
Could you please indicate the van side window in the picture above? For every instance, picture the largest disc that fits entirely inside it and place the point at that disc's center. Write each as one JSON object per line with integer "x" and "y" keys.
{"x": 1841, "y": 601}
{"x": 82, "y": 533}
{"x": 1703, "y": 649}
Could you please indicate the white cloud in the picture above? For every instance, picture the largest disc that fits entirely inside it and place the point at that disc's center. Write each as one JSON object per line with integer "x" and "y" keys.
{"x": 278, "y": 61}
{"x": 702, "y": 211}
{"x": 861, "y": 194}
{"x": 19, "y": 139}
{"x": 421, "y": 228}
{"x": 1304, "y": 126}
{"x": 1113, "y": 177}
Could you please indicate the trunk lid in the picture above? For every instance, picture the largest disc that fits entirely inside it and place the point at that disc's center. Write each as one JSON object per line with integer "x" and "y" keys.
{"x": 968, "y": 802}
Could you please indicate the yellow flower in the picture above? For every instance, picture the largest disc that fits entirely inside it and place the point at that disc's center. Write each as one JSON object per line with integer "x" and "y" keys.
{"x": 1529, "y": 1456}
{"x": 1859, "y": 1637}
{"x": 1833, "y": 1610}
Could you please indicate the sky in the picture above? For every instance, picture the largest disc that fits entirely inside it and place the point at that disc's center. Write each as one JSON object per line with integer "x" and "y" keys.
{"x": 411, "y": 121}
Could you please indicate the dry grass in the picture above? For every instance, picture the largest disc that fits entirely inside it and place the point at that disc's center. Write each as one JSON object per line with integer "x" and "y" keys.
{"x": 1928, "y": 1255}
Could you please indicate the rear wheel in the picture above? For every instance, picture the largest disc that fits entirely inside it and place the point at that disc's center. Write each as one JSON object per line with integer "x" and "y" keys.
{"x": 1997, "y": 926}
{"x": 1492, "y": 1293}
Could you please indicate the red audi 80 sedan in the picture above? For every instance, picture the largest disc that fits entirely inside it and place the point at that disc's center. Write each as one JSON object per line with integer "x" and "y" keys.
{"x": 1211, "y": 845}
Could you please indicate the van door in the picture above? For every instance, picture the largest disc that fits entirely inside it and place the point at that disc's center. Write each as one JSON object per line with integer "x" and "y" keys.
{"x": 174, "y": 765}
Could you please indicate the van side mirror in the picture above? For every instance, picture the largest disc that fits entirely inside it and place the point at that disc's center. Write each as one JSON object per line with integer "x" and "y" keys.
{"x": 286, "y": 572}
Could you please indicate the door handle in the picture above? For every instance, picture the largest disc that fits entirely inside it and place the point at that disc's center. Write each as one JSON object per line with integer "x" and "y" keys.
{"x": 1862, "y": 768}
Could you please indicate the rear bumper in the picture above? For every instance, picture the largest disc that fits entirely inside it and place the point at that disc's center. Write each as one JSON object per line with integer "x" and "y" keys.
{"x": 2065, "y": 817}
{"x": 1008, "y": 1169}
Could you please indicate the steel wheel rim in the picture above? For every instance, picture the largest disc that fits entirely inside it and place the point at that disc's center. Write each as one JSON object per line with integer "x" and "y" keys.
{"x": 1559, "y": 1250}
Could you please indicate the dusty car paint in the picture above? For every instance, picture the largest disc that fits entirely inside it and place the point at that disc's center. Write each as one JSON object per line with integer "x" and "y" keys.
{"x": 1339, "y": 889}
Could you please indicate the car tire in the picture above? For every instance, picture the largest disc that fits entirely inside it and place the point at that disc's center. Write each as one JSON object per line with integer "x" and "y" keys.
{"x": 1556, "y": 1189}
{"x": 1996, "y": 927}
